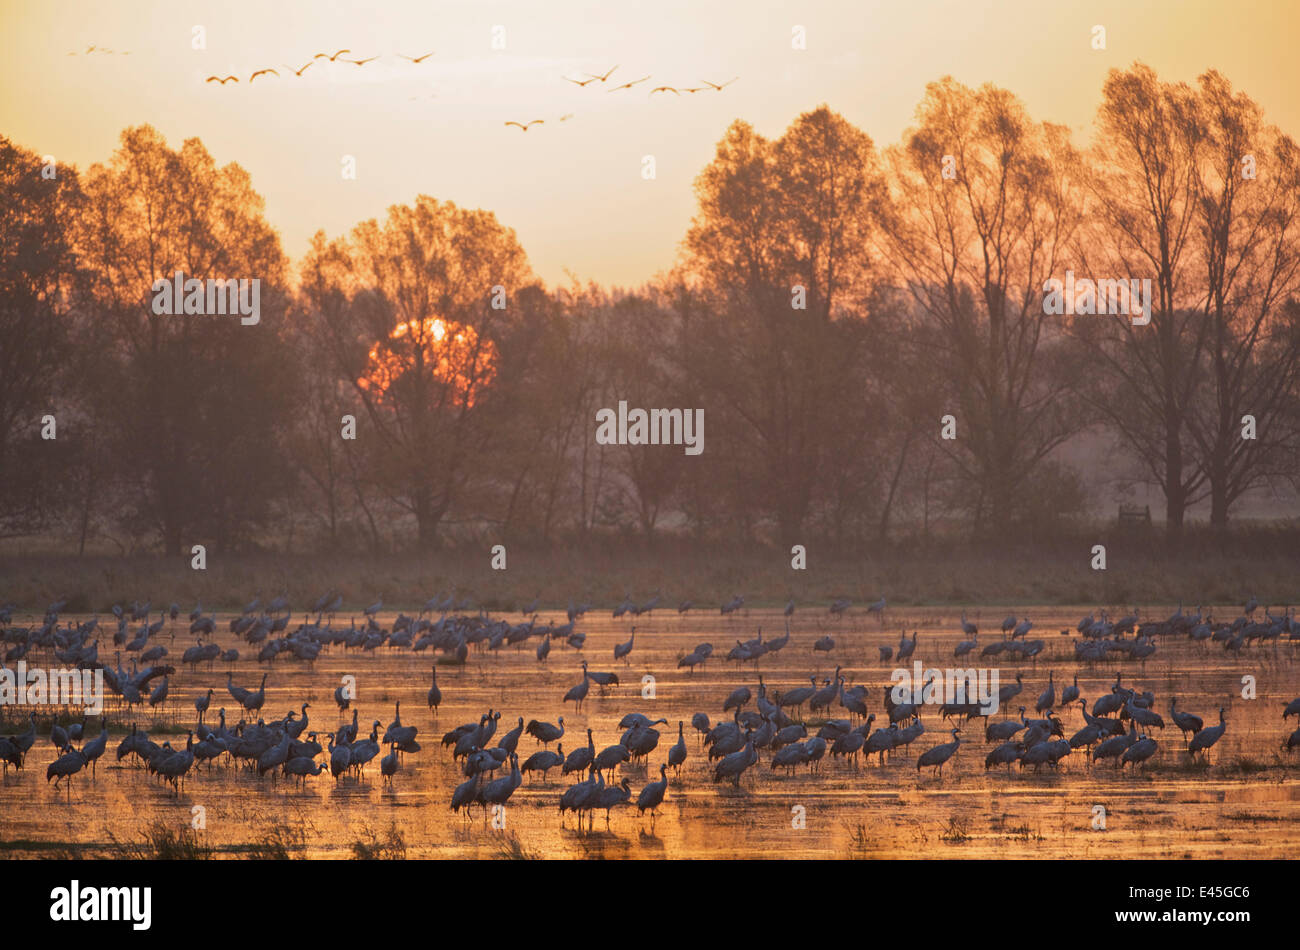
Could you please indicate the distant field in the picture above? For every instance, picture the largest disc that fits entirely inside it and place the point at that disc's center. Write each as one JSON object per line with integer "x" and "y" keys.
{"x": 971, "y": 574}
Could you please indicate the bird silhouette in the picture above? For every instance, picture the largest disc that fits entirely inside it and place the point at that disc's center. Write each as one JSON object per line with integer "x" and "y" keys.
{"x": 714, "y": 85}
{"x": 361, "y": 62}
{"x": 329, "y": 57}
{"x": 299, "y": 72}
{"x": 604, "y": 77}
{"x": 629, "y": 85}
{"x": 576, "y": 82}
{"x": 221, "y": 80}
{"x": 262, "y": 72}
{"x": 525, "y": 126}
{"x": 100, "y": 49}
{"x": 671, "y": 89}
{"x": 417, "y": 59}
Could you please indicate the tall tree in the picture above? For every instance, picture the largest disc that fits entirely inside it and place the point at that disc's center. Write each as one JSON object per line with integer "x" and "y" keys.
{"x": 779, "y": 251}
{"x": 192, "y": 406}
{"x": 1147, "y": 156}
{"x": 40, "y": 285}
{"x": 1247, "y": 241}
{"x": 415, "y": 311}
{"x": 985, "y": 202}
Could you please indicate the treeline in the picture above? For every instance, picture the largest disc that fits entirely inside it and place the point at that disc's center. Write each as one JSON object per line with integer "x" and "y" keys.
{"x": 837, "y": 310}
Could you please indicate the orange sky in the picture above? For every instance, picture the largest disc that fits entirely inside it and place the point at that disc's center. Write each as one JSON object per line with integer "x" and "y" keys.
{"x": 573, "y": 191}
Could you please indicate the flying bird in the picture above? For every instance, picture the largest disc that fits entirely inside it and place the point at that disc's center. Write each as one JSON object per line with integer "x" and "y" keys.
{"x": 671, "y": 89}
{"x": 695, "y": 88}
{"x": 524, "y": 126}
{"x": 263, "y": 72}
{"x": 629, "y": 85}
{"x": 604, "y": 77}
{"x": 299, "y": 72}
{"x": 566, "y": 117}
{"x": 329, "y": 57}
{"x": 714, "y": 85}
{"x": 361, "y": 62}
{"x": 417, "y": 59}
{"x": 221, "y": 80}
{"x": 576, "y": 82}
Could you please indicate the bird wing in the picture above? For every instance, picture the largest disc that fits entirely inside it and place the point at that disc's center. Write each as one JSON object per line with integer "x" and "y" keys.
{"x": 515, "y": 123}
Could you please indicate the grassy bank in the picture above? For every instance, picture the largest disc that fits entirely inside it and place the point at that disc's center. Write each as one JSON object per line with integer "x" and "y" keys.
{"x": 1138, "y": 572}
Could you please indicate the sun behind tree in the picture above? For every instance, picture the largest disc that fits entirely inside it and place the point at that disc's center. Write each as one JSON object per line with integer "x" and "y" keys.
{"x": 451, "y": 353}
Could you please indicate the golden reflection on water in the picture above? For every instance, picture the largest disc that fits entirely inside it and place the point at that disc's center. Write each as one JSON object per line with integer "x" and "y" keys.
{"x": 1245, "y": 803}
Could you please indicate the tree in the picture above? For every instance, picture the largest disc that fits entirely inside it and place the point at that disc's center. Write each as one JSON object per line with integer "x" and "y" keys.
{"x": 779, "y": 254}
{"x": 412, "y": 312}
{"x": 40, "y": 285}
{"x": 1143, "y": 212}
{"x": 191, "y": 406}
{"x": 974, "y": 251}
{"x": 1247, "y": 242}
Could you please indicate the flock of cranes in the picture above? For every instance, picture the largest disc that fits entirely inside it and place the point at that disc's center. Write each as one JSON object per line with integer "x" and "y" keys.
{"x": 591, "y": 79}
{"x": 827, "y": 720}
{"x": 599, "y": 79}
{"x": 335, "y": 57}
{"x": 594, "y": 79}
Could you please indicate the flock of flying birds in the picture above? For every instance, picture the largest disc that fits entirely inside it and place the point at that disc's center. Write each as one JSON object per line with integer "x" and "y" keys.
{"x": 602, "y": 78}
{"x": 303, "y": 68}
{"x": 103, "y": 50}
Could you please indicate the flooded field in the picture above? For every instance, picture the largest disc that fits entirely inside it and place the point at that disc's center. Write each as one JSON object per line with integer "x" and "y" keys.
{"x": 1242, "y": 799}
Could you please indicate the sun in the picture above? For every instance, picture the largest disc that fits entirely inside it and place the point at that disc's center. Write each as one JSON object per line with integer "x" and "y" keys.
{"x": 451, "y": 355}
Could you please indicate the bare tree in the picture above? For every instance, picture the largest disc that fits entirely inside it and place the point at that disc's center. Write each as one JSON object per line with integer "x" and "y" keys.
{"x": 985, "y": 202}
{"x": 1247, "y": 241}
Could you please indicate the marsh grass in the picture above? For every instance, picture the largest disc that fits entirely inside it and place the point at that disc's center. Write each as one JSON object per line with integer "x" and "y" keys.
{"x": 957, "y": 831}
{"x": 371, "y": 847}
{"x": 510, "y": 848}
{"x": 161, "y": 841}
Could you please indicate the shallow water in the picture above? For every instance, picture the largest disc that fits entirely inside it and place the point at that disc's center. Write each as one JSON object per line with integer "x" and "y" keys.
{"x": 1244, "y": 803}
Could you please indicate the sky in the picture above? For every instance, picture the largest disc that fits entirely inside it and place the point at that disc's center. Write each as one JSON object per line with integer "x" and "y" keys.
{"x": 573, "y": 190}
